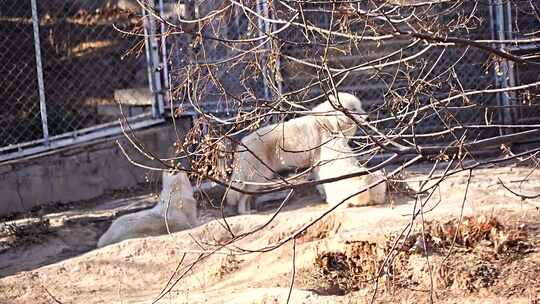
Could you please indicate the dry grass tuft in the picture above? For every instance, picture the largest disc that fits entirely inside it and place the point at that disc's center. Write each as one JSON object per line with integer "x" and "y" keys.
{"x": 468, "y": 255}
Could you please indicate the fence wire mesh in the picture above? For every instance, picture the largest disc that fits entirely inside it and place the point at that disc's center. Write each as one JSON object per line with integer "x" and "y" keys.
{"x": 20, "y": 118}
{"x": 208, "y": 73}
{"x": 88, "y": 66}
{"x": 386, "y": 89}
{"x": 226, "y": 63}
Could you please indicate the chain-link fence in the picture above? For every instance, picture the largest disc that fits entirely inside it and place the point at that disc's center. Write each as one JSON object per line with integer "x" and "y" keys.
{"x": 205, "y": 63}
{"x": 65, "y": 66}
{"x": 20, "y": 118}
{"x": 206, "y": 72}
{"x": 385, "y": 88}
{"x": 225, "y": 62}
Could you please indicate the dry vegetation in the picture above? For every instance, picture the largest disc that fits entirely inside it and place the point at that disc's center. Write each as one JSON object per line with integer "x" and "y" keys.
{"x": 469, "y": 256}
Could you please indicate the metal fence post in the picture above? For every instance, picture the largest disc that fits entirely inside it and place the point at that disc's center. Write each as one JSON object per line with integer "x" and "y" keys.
{"x": 164, "y": 60}
{"x": 510, "y": 35}
{"x": 502, "y": 74}
{"x": 152, "y": 59}
{"x": 262, "y": 9}
{"x": 39, "y": 70}
{"x": 266, "y": 27}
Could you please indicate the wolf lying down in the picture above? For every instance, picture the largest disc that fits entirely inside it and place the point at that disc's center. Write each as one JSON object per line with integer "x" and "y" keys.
{"x": 175, "y": 211}
{"x": 315, "y": 140}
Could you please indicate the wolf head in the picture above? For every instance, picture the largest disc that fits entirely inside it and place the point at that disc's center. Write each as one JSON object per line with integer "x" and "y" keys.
{"x": 337, "y": 121}
{"x": 349, "y": 102}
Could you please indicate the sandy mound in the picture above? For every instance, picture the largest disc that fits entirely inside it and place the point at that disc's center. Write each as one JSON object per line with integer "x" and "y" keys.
{"x": 493, "y": 257}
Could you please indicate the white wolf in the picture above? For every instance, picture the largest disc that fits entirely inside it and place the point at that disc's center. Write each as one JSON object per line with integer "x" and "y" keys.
{"x": 291, "y": 144}
{"x": 176, "y": 210}
{"x": 337, "y": 159}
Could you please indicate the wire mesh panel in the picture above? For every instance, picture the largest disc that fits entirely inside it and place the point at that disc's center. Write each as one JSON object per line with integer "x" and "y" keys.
{"x": 444, "y": 71}
{"x": 20, "y": 118}
{"x": 85, "y": 71}
{"x": 523, "y": 18}
{"x": 89, "y": 67}
{"x": 362, "y": 64}
{"x": 211, "y": 73}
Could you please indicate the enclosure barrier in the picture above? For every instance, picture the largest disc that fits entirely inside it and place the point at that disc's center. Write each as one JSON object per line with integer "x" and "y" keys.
{"x": 70, "y": 71}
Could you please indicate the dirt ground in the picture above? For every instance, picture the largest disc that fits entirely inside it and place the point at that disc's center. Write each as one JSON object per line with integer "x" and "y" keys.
{"x": 487, "y": 254}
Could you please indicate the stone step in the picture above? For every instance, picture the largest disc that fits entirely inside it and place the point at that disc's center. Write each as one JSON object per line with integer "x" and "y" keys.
{"x": 134, "y": 96}
{"x": 134, "y": 101}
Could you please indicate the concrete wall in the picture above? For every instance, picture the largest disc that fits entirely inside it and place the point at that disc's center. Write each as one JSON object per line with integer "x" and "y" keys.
{"x": 82, "y": 172}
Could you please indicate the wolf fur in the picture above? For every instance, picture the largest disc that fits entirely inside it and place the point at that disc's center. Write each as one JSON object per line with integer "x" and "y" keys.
{"x": 287, "y": 145}
{"x": 176, "y": 210}
{"x": 337, "y": 159}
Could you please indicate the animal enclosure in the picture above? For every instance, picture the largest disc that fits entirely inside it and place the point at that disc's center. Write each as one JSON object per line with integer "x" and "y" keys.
{"x": 447, "y": 150}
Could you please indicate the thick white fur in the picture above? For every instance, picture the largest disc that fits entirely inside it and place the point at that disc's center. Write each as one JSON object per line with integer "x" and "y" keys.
{"x": 336, "y": 160}
{"x": 176, "y": 210}
{"x": 291, "y": 144}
